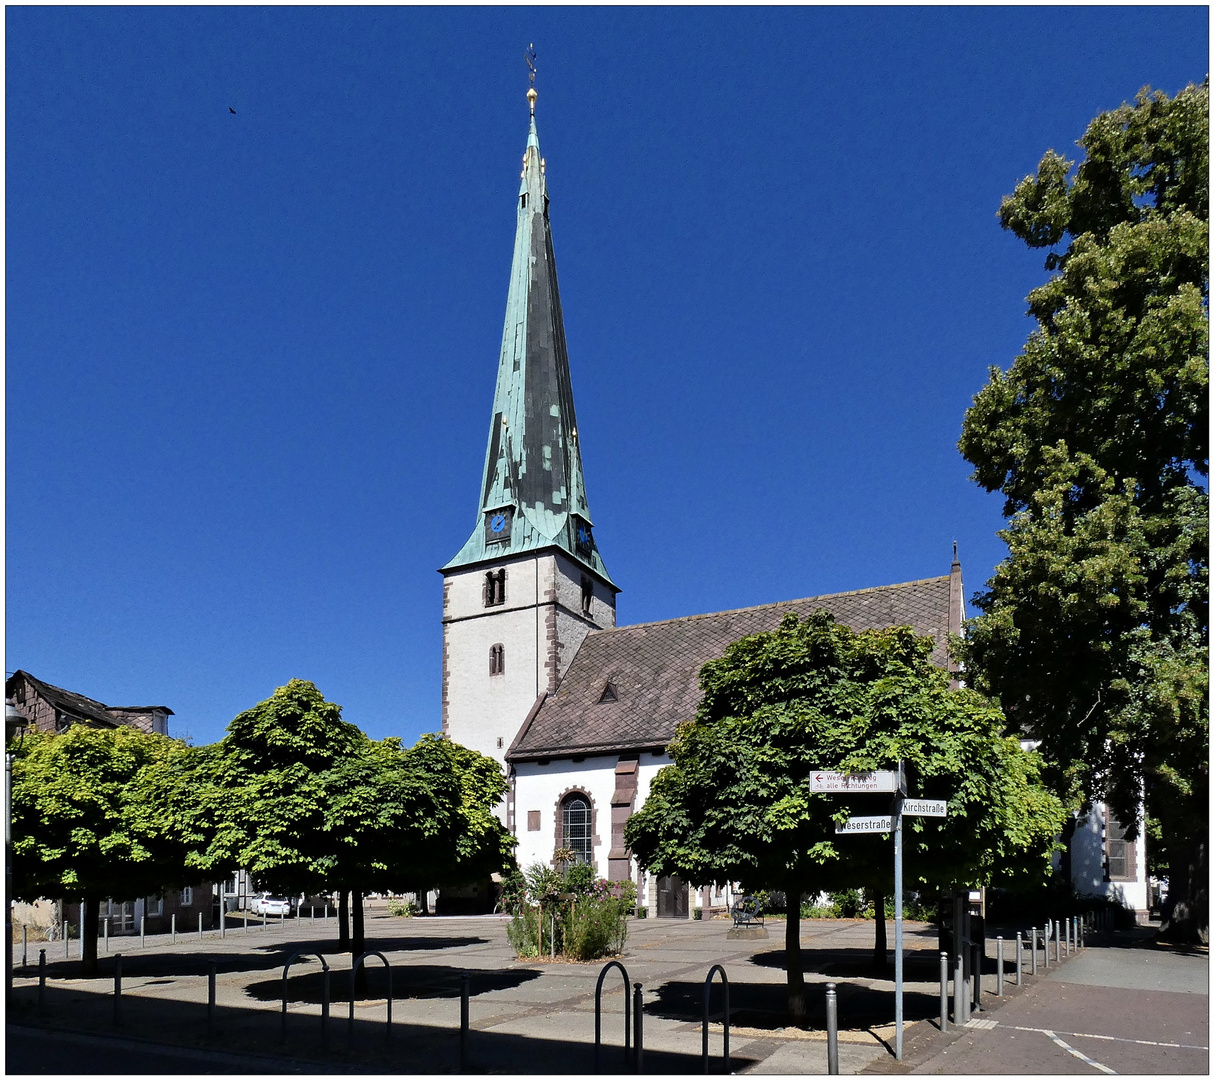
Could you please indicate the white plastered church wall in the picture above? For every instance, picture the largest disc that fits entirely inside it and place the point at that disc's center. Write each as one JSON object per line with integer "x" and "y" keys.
{"x": 540, "y": 788}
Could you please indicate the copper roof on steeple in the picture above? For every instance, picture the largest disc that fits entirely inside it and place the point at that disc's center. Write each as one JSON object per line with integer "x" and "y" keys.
{"x": 533, "y": 464}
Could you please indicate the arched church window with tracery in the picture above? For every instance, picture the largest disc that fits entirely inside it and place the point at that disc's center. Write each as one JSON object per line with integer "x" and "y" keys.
{"x": 575, "y": 817}
{"x": 497, "y": 659}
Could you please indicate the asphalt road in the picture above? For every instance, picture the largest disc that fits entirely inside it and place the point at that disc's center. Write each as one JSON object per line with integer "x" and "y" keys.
{"x": 1107, "y": 1010}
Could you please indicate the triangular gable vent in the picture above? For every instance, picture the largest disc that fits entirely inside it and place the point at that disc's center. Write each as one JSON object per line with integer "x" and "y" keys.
{"x": 608, "y": 694}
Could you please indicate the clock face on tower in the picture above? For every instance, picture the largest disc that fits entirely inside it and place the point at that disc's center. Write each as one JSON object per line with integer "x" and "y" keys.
{"x": 583, "y": 539}
{"x": 497, "y": 524}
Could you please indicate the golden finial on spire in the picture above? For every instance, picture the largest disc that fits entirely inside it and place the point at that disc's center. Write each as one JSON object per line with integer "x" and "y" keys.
{"x": 532, "y": 94}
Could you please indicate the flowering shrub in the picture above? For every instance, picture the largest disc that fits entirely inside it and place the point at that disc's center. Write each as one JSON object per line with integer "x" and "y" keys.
{"x": 586, "y": 914}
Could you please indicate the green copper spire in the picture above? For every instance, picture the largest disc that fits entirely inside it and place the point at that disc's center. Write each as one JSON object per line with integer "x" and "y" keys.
{"x": 533, "y": 494}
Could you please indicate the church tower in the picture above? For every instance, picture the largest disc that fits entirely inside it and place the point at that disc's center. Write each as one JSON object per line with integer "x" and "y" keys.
{"x": 528, "y": 586}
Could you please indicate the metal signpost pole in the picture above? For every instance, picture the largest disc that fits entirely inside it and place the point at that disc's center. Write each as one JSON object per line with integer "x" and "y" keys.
{"x": 897, "y": 814}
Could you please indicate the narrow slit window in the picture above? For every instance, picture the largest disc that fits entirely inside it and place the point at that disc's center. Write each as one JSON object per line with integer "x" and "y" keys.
{"x": 587, "y": 594}
{"x": 497, "y": 660}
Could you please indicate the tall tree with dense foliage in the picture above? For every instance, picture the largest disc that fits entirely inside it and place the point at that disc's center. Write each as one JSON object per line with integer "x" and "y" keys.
{"x": 88, "y": 823}
{"x": 305, "y": 801}
{"x": 1094, "y": 632}
{"x": 812, "y": 695}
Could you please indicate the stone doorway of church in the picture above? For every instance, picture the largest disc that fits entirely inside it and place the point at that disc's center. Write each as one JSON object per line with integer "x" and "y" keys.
{"x": 672, "y": 898}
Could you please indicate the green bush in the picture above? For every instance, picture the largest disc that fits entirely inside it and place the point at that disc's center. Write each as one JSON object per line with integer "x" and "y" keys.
{"x": 595, "y": 926}
{"x": 524, "y": 931}
{"x": 404, "y": 909}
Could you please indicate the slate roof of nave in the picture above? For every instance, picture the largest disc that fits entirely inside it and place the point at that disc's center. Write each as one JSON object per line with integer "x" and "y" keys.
{"x": 653, "y": 668}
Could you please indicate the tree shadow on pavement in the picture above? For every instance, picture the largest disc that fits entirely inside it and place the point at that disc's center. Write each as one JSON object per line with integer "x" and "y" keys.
{"x": 192, "y": 960}
{"x": 305, "y": 983}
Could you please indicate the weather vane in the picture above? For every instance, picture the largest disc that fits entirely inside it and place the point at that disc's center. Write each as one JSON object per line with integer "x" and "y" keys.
{"x": 529, "y": 56}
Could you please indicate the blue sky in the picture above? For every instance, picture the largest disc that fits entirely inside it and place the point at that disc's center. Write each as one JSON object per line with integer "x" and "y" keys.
{"x": 250, "y": 358}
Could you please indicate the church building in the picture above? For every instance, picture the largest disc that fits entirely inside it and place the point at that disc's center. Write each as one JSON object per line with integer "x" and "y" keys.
{"x": 535, "y": 671}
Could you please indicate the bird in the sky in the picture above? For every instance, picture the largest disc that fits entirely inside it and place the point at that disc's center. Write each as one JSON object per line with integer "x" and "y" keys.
{"x": 231, "y": 110}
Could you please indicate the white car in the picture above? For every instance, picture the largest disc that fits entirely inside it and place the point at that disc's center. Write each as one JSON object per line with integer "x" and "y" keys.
{"x": 264, "y": 903}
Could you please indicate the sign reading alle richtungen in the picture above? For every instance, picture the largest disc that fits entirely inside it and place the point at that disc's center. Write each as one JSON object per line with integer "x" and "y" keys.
{"x": 821, "y": 780}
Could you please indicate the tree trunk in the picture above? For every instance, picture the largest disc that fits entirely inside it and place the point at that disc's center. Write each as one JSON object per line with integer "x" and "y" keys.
{"x": 880, "y": 949}
{"x": 1187, "y": 914}
{"x": 89, "y": 907}
{"x": 343, "y": 920}
{"x": 423, "y": 901}
{"x": 792, "y": 959}
{"x": 358, "y": 944}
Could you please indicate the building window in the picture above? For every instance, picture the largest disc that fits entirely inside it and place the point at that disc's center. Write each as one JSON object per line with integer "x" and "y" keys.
{"x": 575, "y": 821}
{"x": 587, "y": 594}
{"x": 495, "y": 588}
{"x": 497, "y": 659}
{"x": 153, "y": 906}
{"x": 533, "y": 821}
{"x": 1119, "y": 851}
{"x": 187, "y": 897}
{"x": 500, "y": 742}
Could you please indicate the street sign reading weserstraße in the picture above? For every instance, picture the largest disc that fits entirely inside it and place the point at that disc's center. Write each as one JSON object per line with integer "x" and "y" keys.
{"x": 879, "y": 824}
{"x": 821, "y": 780}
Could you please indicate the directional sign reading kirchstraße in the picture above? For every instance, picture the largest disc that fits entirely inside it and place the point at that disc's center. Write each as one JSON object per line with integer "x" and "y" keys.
{"x": 866, "y": 824}
{"x": 925, "y": 807}
{"x": 821, "y": 780}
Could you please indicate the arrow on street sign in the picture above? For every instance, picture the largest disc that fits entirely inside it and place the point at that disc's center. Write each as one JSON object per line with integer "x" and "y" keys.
{"x": 925, "y": 807}
{"x": 821, "y": 780}
{"x": 879, "y": 824}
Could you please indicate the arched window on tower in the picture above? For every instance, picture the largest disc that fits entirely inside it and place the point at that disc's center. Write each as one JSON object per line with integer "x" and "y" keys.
{"x": 575, "y": 826}
{"x": 497, "y": 659}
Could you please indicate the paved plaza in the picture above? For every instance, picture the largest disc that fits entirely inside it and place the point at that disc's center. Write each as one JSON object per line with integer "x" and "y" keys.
{"x": 525, "y": 1017}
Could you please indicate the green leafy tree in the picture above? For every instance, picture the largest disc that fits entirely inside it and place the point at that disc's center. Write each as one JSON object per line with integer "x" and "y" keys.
{"x": 88, "y": 822}
{"x": 1094, "y": 632}
{"x": 304, "y": 801}
{"x": 736, "y": 806}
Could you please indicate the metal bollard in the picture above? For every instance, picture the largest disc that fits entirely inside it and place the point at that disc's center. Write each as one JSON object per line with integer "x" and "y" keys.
{"x": 1033, "y": 949}
{"x": 143, "y": 931}
{"x": 211, "y": 969}
{"x": 832, "y": 1030}
{"x": 313, "y": 906}
{"x": 976, "y": 968}
{"x": 1019, "y": 956}
{"x": 999, "y": 966}
{"x": 173, "y": 927}
{"x": 24, "y": 944}
{"x": 107, "y": 934}
{"x": 324, "y": 1009}
{"x": 83, "y": 922}
{"x": 638, "y": 1019}
{"x": 463, "y": 1022}
{"x": 117, "y": 989}
{"x": 326, "y": 912}
{"x": 223, "y": 918}
{"x": 67, "y": 939}
{"x": 1057, "y": 942}
{"x": 943, "y": 991}
{"x": 959, "y": 1012}
{"x": 247, "y": 913}
{"x": 1045, "y": 941}
{"x": 41, "y": 980}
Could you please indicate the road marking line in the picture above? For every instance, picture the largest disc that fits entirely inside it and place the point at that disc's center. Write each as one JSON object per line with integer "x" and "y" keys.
{"x": 1081, "y": 1056}
{"x": 1115, "y": 1038}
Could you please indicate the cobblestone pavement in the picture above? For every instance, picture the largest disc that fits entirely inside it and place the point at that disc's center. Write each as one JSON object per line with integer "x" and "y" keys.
{"x": 535, "y": 1017}
{"x": 525, "y": 1017}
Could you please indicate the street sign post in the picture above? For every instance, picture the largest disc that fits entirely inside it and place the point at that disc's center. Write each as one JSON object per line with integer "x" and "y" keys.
{"x": 842, "y": 783}
{"x": 853, "y": 783}
{"x": 881, "y": 824}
